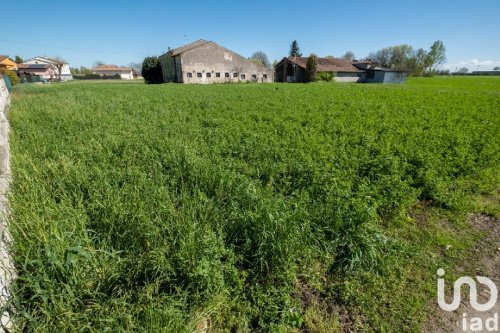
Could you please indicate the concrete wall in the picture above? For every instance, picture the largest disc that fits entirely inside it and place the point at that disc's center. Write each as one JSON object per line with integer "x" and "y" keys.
{"x": 212, "y": 63}
{"x": 385, "y": 77}
{"x": 350, "y": 77}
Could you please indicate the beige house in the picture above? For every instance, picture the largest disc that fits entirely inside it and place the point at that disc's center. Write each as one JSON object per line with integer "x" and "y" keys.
{"x": 208, "y": 62}
{"x": 126, "y": 73}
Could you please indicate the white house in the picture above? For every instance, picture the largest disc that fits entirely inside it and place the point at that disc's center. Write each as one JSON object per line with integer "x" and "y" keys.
{"x": 126, "y": 73}
{"x": 65, "y": 72}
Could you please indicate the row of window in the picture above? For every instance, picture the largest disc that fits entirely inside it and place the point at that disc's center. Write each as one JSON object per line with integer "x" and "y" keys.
{"x": 235, "y": 75}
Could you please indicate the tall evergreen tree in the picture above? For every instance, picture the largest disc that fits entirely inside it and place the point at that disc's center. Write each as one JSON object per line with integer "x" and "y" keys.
{"x": 312, "y": 68}
{"x": 295, "y": 49}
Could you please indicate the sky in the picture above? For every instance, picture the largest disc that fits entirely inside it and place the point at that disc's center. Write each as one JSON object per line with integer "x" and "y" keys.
{"x": 122, "y": 31}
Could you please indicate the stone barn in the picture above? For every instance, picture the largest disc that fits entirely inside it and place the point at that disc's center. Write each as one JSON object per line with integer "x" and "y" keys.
{"x": 208, "y": 62}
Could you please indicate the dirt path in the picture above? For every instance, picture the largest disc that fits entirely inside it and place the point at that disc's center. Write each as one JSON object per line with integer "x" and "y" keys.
{"x": 486, "y": 262}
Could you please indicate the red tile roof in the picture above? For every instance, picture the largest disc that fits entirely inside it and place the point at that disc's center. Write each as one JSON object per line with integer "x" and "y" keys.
{"x": 327, "y": 64}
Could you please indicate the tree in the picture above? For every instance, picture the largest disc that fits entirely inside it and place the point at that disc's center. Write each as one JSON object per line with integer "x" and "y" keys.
{"x": 329, "y": 57}
{"x": 463, "y": 70}
{"x": 349, "y": 56}
{"x": 260, "y": 58}
{"x": 18, "y": 60}
{"x": 84, "y": 70}
{"x": 14, "y": 79}
{"x": 496, "y": 68}
{"x": 137, "y": 67}
{"x": 295, "y": 49}
{"x": 98, "y": 63}
{"x": 311, "y": 68}
{"x": 151, "y": 70}
{"x": 436, "y": 56}
{"x": 59, "y": 63}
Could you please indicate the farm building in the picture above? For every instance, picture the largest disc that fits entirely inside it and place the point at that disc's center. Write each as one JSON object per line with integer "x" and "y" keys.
{"x": 293, "y": 69}
{"x": 6, "y": 62}
{"x": 208, "y": 62}
{"x": 45, "y": 71}
{"x": 65, "y": 72}
{"x": 126, "y": 73}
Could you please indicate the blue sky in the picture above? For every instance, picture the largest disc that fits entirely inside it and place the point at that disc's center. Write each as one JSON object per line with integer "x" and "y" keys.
{"x": 121, "y": 32}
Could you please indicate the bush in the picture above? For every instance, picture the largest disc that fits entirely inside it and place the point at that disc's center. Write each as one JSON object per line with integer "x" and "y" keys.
{"x": 325, "y": 76}
{"x": 311, "y": 68}
{"x": 96, "y": 77}
{"x": 151, "y": 70}
{"x": 14, "y": 79}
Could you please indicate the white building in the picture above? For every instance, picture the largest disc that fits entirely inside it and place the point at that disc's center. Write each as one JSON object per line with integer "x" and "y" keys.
{"x": 65, "y": 71}
{"x": 126, "y": 73}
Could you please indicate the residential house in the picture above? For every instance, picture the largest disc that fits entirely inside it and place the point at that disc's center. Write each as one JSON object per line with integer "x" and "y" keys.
{"x": 65, "y": 71}
{"x": 46, "y": 71}
{"x": 6, "y": 62}
{"x": 208, "y": 62}
{"x": 126, "y": 73}
{"x": 293, "y": 69}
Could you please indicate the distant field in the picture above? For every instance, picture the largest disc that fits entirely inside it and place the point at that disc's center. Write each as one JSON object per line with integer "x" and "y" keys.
{"x": 271, "y": 208}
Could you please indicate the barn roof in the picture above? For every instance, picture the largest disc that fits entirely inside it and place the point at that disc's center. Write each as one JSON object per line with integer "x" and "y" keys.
{"x": 326, "y": 64}
{"x": 2, "y": 57}
{"x": 189, "y": 47}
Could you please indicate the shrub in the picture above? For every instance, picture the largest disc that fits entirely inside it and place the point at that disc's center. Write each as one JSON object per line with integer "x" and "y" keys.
{"x": 312, "y": 68}
{"x": 151, "y": 70}
{"x": 325, "y": 76}
{"x": 14, "y": 79}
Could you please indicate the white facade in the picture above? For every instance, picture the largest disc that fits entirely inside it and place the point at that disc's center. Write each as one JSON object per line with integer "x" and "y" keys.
{"x": 65, "y": 71}
{"x": 125, "y": 73}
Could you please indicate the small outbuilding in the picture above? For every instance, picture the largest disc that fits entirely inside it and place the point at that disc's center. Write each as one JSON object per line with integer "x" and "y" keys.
{"x": 293, "y": 69}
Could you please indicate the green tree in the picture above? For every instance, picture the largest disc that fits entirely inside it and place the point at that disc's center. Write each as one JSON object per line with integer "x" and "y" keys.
{"x": 151, "y": 70}
{"x": 18, "y": 60}
{"x": 260, "y": 58}
{"x": 463, "y": 70}
{"x": 349, "y": 56}
{"x": 496, "y": 68}
{"x": 295, "y": 49}
{"x": 312, "y": 68}
{"x": 436, "y": 56}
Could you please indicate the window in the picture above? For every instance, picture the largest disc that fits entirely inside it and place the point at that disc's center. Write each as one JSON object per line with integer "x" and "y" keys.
{"x": 235, "y": 74}
{"x": 264, "y": 76}
{"x": 209, "y": 74}
{"x": 217, "y": 74}
{"x": 243, "y": 76}
{"x": 199, "y": 75}
{"x": 254, "y": 77}
{"x": 189, "y": 75}
{"x": 226, "y": 75}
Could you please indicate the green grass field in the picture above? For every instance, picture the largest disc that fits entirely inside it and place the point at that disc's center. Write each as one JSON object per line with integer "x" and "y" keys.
{"x": 253, "y": 208}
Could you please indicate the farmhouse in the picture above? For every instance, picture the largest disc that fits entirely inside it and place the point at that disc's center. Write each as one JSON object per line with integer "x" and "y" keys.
{"x": 293, "y": 69}
{"x": 208, "y": 62}
{"x": 6, "y": 62}
{"x": 65, "y": 71}
{"x": 46, "y": 71}
{"x": 126, "y": 73}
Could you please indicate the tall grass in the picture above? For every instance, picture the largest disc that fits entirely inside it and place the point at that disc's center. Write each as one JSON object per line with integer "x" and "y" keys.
{"x": 151, "y": 208}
